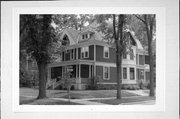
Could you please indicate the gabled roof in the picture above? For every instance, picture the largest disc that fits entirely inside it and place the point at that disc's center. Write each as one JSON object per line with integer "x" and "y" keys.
{"x": 72, "y": 34}
{"x": 75, "y": 35}
{"x": 138, "y": 43}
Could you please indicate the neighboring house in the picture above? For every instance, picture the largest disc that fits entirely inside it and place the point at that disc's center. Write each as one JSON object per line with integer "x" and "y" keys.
{"x": 87, "y": 56}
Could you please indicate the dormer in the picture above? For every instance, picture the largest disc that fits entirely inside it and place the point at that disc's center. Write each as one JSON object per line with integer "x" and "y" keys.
{"x": 85, "y": 35}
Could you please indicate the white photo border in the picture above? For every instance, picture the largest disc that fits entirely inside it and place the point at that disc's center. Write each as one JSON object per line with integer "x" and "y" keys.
{"x": 160, "y": 59}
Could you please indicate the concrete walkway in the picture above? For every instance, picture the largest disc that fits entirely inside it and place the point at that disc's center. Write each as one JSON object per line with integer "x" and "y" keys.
{"x": 139, "y": 92}
{"x": 80, "y": 101}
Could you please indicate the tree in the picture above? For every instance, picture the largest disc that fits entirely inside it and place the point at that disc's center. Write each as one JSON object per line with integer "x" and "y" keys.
{"x": 67, "y": 82}
{"x": 112, "y": 27}
{"x": 150, "y": 25}
{"x": 118, "y": 36}
{"x": 37, "y": 41}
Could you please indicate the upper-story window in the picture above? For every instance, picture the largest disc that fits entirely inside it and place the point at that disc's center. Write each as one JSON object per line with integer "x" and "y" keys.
{"x": 85, "y": 36}
{"x": 106, "y": 52}
{"x": 124, "y": 55}
{"x": 85, "y": 52}
{"x": 65, "y": 40}
{"x": 141, "y": 59}
{"x": 131, "y": 54}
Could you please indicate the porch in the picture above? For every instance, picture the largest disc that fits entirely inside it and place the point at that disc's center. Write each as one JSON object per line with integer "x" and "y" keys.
{"x": 81, "y": 72}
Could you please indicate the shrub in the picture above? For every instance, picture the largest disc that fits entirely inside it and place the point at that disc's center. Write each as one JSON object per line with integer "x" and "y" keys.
{"x": 143, "y": 84}
{"x": 130, "y": 86}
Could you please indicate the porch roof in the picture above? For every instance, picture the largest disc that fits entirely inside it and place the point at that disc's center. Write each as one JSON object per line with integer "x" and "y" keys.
{"x": 74, "y": 62}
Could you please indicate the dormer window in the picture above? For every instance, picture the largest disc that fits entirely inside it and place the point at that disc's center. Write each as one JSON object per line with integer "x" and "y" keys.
{"x": 82, "y": 36}
{"x": 106, "y": 52}
{"x": 85, "y": 36}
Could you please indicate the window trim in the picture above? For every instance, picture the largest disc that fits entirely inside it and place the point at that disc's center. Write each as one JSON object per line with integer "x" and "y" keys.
{"x": 104, "y": 73}
{"x": 123, "y": 72}
{"x": 72, "y": 54}
{"x": 105, "y": 52}
{"x": 130, "y": 73}
{"x": 131, "y": 54}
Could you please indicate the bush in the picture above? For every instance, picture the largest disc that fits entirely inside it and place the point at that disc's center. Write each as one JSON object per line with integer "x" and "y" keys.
{"x": 93, "y": 83}
{"x": 130, "y": 86}
{"x": 144, "y": 84}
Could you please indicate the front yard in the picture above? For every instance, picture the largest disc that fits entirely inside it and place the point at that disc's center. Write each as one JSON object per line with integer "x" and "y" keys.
{"x": 59, "y": 97}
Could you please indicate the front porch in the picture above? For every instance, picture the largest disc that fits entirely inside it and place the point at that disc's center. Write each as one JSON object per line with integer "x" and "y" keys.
{"x": 81, "y": 72}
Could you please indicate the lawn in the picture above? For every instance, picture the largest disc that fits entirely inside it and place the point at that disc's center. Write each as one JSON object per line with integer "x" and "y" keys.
{"x": 47, "y": 101}
{"x": 124, "y": 100}
{"x": 76, "y": 94}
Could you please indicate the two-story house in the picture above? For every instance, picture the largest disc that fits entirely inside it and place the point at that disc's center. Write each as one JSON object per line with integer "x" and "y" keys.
{"x": 87, "y": 55}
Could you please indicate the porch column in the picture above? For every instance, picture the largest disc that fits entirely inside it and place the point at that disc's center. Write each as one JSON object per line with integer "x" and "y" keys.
{"x": 94, "y": 70}
{"x": 76, "y": 53}
{"x": 79, "y": 79}
{"x": 89, "y": 71}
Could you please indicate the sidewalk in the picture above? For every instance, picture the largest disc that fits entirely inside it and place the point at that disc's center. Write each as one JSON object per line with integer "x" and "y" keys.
{"x": 139, "y": 92}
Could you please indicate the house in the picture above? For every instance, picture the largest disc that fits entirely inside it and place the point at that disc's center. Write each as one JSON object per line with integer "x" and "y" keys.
{"x": 87, "y": 56}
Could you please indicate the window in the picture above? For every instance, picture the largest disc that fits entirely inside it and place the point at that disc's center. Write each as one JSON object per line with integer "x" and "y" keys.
{"x": 131, "y": 54}
{"x": 141, "y": 59}
{"x": 86, "y": 35}
{"x": 106, "y": 52}
{"x": 72, "y": 54}
{"x": 85, "y": 52}
{"x": 106, "y": 73}
{"x": 124, "y": 73}
{"x": 124, "y": 55}
{"x": 82, "y": 36}
{"x": 132, "y": 74}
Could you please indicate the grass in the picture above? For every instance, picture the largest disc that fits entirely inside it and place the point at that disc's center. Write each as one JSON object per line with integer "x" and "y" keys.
{"x": 46, "y": 101}
{"x": 26, "y": 93}
{"x": 76, "y": 94}
{"x": 124, "y": 100}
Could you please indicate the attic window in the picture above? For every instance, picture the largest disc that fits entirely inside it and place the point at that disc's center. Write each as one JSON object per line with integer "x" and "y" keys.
{"x": 65, "y": 40}
{"x": 85, "y": 36}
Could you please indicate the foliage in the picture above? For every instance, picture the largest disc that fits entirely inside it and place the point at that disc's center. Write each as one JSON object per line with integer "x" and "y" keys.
{"x": 67, "y": 82}
{"x": 149, "y": 22}
{"x": 130, "y": 87}
{"x": 94, "y": 82}
{"x": 36, "y": 37}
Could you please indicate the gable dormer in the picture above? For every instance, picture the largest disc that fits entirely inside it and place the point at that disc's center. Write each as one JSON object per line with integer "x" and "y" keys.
{"x": 85, "y": 35}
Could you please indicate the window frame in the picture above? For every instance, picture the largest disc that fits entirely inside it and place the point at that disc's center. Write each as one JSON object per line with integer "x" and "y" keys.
{"x": 124, "y": 72}
{"x": 131, "y": 54}
{"x": 83, "y": 52}
{"x": 72, "y": 54}
{"x": 130, "y": 73}
{"x": 104, "y": 52}
{"x": 108, "y": 78}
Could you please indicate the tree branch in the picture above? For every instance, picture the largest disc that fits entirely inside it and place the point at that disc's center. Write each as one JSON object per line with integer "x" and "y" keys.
{"x": 114, "y": 26}
{"x": 140, "y": 19}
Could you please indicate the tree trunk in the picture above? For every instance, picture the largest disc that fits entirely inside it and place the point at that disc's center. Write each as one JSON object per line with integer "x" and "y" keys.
{"x": 151, "y": 69}
{"x": 149, "y": 35}
{"x": 118, "y": 64}
{"x": 42, "y": 80}
{"x": 68, "y": 91}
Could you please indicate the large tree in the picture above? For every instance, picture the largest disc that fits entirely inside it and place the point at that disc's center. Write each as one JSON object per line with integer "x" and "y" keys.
{"x": 149, "y": 22}
{"x": 112, "y": 26}
{"x": 36, "y": 37}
